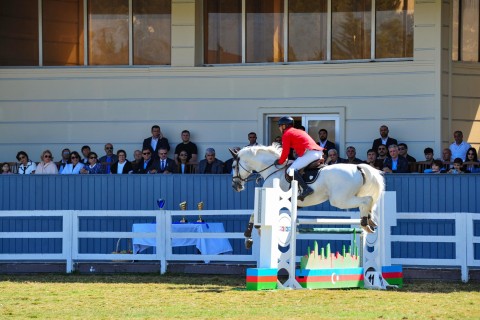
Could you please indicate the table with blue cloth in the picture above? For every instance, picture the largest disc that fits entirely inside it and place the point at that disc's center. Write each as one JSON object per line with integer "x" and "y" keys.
{"x": 206, "y": 246}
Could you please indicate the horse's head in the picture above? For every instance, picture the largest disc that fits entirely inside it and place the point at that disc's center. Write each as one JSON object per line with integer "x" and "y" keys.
{"x": 250, "y": 160}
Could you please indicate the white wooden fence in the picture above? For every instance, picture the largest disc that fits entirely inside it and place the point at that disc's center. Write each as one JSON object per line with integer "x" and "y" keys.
{"x": 464, "y": 238}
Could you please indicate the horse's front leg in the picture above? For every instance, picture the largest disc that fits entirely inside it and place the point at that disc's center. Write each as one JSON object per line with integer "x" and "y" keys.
{"x": 248, "y": 234}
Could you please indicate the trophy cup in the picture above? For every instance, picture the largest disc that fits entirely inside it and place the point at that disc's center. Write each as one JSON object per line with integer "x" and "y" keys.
{"x": 200, "y": 207}
{"x": 183, "y": 206}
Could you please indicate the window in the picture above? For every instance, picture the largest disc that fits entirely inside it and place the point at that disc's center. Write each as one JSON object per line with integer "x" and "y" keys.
{"x": 63, "y": 32}
{"x": 19, "y": 33}
{"x": 465, "y": 28}
{"x": 117, "y": 32}
{"x": 307, "y": 30}
{"x": 152, "y": 32}
{"x": 223, "y": 31}
{"x": 351, "y": 29}
{"x": 394, "y": 29}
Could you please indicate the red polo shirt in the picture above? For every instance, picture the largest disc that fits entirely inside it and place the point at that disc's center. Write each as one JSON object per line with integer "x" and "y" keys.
{"x": 299, "y": 140}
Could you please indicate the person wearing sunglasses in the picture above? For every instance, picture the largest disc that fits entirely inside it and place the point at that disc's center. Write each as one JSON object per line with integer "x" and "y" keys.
{"x": 109, "y": 158}
{"x": 26, "y": 165}
{"x": 46, "y": 165}
{"x": 75, "y": 165}
{"x": 148, "y": 164}
{"x": 93, "y": 166}
{"x": 183, "y": 166}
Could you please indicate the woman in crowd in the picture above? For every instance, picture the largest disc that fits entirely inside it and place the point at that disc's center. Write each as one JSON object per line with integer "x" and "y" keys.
{"x": 26, "y": 165}
{"x": 183, "y": 166}
{"x": 6, "y": 168}
{"x": 75, "y": 164}
{"x": 471, "y": 161}
{"x": 122, "y": 166}
{"x": 92, "y": 167}
{"x": 46, "y": 165}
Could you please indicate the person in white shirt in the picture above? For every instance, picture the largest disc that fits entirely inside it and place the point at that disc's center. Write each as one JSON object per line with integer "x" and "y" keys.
{"x": 459, "y": 148}
{"x": 26, "y": 165}
{"x": 75, "y": 164}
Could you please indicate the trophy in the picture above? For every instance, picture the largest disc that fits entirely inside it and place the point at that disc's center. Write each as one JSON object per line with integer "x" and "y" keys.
{"x": 160, "y": 203}
{"x": 183, "y": 206}
{"x": 200, "y": 207}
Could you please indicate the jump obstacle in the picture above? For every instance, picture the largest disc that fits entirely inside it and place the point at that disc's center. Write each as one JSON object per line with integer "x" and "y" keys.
{"x": 275, "y": 212}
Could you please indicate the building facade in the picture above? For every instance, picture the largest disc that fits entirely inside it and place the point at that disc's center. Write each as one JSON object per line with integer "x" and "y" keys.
{"x": 82, "y": 72}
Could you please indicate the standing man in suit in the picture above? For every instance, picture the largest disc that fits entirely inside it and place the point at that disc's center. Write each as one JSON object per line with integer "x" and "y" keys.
{"x": 324, "y": 143}
{"x": 156, "y": 141}
{"x": 164, "y": 164}
{"x": 384, "y": 138}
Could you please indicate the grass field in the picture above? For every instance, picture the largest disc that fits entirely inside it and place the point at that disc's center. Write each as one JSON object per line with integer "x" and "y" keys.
{"x": 214, "y": 297}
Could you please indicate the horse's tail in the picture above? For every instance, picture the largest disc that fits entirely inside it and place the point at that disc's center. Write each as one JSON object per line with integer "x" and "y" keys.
{"x": 374, "y": 183}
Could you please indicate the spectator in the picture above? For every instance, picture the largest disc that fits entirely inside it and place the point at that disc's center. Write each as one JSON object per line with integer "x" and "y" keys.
{"x": 333, "y": 157}
{"x": 428, "y": 152}
{"x": 6, "y": 168}
{"x": 46, "y": 165}
{"x": 93, "y": 166}
{"x": 210, "y": 164}
{"x": 122, "y": 166}
{"x": 395, "y": 163}
{"x": 278, "y": 139}
{"x": 164, "y": 164}
{"x": 459, "y": 147}
{"x": 457, "y": 166}
{"x": 351, "y": 156}
{"x": 447, "y": 158}
{"x": 324, "y": 142}
{"x": 372, "y": 160}
{"x": 252, "y": 139}
{"x": 156, "y": 141}
{"x": 26, "y": 165}
{"x": 74, "y": 164}
{"x": 65, "y": 159}
{"x": 437, "y": 167}
{"x": 382, "y": 153}
{"x": 109, "y": 158}
{"x": 148, "y": 164}
{"x": 85, "y": 152}
{"x": 137, "y": 160}
{"x": 403, "y": 151}
{"x": 472, "y": 164}
{"x": 227, "y": 165}
{"x": 384, "y": 139}
{"x": 188, "y": 146}
{"x": 182, "y": 164}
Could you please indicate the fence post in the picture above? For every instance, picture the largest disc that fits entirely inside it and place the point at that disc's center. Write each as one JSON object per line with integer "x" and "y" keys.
{"x": 67, "y": 237}
{"x": 464, "y": 246}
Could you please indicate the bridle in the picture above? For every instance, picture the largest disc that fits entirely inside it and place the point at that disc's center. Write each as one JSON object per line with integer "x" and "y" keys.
{"x": 250, "y": 173}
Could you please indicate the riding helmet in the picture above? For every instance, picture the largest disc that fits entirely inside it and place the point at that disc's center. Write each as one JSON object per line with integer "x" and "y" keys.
{"x": 286, "y": 120}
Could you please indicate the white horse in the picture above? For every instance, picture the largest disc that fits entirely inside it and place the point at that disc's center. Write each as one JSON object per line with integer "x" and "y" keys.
{"x": 345, "y": 185}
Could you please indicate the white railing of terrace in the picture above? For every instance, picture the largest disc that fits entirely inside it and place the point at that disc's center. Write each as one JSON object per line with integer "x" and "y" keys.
{"x": 464, "y": 238}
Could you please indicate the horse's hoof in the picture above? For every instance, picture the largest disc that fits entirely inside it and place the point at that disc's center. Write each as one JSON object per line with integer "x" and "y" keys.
{"x": 248, "y": 232}
{"x": 371, "y": 223}
{"x": 248, "y": 243}
{"x": 367, "y": 229}
{"x": 364, "y": 222}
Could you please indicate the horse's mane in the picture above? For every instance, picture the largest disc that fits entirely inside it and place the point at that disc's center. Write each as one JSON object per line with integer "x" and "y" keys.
{"x": 275, "y": 150}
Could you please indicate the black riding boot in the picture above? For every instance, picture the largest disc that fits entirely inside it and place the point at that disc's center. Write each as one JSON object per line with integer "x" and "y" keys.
{"x": 306, "y": 190}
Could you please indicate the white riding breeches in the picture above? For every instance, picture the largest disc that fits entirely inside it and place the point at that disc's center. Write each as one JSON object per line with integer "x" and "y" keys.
{"x": 308, "y": 157}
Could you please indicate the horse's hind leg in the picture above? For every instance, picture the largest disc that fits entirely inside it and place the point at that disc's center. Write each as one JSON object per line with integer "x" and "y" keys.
{"x": 365, "y": 206}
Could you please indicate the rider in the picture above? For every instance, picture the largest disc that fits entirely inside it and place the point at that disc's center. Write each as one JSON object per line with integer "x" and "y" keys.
{"x": 305, "y": 147}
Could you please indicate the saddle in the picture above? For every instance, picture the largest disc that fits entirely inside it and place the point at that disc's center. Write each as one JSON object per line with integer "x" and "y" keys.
{"x": 310, "y": 173}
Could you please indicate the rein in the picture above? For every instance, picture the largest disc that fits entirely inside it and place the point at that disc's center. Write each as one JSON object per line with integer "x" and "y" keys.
{"x": 237, "y": 173}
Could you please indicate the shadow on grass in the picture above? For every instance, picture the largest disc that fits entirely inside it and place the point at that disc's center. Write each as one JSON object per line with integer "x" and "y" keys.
{"x": 215, "y": 283}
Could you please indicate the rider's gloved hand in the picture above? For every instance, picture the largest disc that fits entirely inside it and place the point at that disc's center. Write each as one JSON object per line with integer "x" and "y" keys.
{"x": 276, "y": 162}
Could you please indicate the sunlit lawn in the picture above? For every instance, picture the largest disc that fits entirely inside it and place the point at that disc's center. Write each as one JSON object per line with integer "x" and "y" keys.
{"x": 213, "y": 297}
